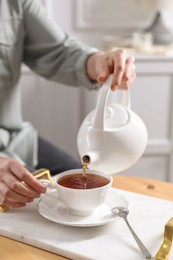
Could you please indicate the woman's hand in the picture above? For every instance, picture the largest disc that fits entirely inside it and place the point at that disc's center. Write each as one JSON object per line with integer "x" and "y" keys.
{"x": 101, "y": 65}
{"x": 17, "y": 185}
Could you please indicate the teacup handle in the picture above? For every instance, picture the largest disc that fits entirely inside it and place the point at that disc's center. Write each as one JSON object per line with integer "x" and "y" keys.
{"x": 102, "y": 101}
{"x": 47, "y": 184}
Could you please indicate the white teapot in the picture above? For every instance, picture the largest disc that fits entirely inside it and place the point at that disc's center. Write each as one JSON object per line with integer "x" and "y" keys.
{"x": 113, "y": 137}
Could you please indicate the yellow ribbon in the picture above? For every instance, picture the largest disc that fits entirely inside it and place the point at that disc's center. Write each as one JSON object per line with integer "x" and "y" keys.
{"x": 165, "y": 249}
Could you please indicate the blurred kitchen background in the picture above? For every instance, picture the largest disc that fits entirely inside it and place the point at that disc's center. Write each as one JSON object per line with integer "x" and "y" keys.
{"x": 144, "y": 28}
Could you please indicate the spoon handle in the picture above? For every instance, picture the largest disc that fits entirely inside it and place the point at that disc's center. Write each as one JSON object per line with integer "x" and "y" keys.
{"x": 144, "y": 250}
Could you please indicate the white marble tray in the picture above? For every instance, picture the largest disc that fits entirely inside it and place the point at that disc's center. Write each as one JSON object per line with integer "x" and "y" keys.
{"x": 112, "y": 241}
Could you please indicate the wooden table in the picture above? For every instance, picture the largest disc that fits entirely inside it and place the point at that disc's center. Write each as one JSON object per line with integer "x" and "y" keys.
{"x": 13, "y": 250}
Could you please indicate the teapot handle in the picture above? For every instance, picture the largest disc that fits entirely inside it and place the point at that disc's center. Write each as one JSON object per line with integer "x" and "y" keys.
{"x": 102, "y": 101}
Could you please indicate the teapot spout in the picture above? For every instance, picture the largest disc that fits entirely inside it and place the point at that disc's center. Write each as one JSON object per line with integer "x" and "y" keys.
{"x": 86, "y": 159}
{"x": 89, "y": 158}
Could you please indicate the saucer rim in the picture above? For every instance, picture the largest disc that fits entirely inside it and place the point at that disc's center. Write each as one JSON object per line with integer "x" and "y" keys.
{"x": 81, "y": 224}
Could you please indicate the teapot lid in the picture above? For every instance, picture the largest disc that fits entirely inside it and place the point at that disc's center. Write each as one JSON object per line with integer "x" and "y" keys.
{"x": 115, "y": 116}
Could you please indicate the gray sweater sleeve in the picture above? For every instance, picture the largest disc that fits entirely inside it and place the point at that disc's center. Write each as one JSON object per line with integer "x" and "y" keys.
{"x": 50, "y": 52}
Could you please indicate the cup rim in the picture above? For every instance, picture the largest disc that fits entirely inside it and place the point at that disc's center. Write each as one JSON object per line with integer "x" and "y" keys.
{"x": 79, "y": 171}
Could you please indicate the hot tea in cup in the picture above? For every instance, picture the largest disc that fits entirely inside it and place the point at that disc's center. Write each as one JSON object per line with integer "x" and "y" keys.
{"x": 83, "y": 181}
{"x": 82, "y": 193}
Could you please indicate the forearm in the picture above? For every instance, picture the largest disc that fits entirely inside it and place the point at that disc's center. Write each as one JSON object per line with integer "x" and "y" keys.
{"x": 51, "y": 53}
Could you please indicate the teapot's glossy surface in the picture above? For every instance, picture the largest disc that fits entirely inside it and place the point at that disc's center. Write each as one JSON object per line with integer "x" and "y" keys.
{"x": 113, "y": 136}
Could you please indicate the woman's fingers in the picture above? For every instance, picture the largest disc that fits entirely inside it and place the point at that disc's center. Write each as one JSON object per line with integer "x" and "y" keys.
{"x": 9, "y": 196}
{"x": 24, "y": 175}
{"x": 17, "y": 185}
{"x": 119, "y": 67}
{"x": 123, "y": 70}
{"x": 129, "y": 74}
{"x": 118, "y": 63}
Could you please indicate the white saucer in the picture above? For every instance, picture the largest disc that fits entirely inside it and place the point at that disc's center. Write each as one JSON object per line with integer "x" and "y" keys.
{"x": 53, "y": 209}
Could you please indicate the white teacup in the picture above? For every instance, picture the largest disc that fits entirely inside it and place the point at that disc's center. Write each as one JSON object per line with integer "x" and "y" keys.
{"x": 82, "y": 201}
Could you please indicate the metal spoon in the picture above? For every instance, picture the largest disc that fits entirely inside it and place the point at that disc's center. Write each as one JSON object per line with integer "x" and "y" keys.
{"x": 123, "y": 212}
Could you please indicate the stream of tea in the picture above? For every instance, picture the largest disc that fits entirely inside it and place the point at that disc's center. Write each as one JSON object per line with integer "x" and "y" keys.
{"x": 84, "y": 174}
{"x": 84, "y": 180}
